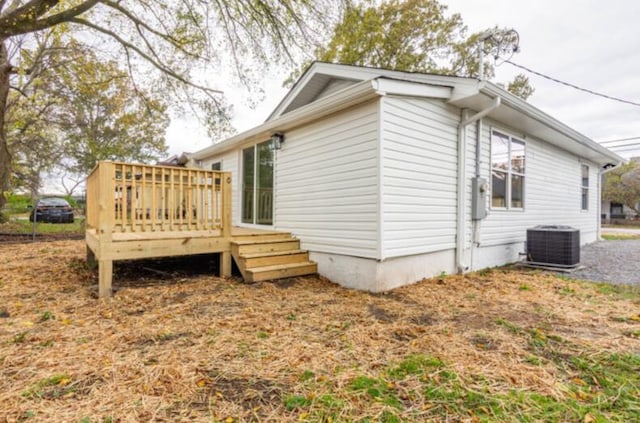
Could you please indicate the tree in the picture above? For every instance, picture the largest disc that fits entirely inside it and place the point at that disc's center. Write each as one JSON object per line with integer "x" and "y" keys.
{"x": 101, "y": 118}
{"x": 79, "y": 111}
{"x": 172, "y": 38}
{"x": 622, "y": 185}
{"x": 520, "y": 86}
{"x": 32, "y": 136}
{"x": 414, "y": 36}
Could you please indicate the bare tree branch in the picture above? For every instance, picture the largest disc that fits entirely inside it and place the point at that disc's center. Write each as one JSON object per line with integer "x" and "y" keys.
{"x": 151, "y": 60}
{"x": 19, "y": 21}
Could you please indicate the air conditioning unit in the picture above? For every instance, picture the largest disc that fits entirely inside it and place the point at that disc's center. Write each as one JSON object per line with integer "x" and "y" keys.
{"x": 553, "y": 244}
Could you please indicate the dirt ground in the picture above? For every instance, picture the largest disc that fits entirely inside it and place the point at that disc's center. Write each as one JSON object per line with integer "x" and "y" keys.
{"x": 176, "y": 346}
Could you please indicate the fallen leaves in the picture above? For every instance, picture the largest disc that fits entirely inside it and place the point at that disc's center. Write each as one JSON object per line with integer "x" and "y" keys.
{"x": 205, "y": 348}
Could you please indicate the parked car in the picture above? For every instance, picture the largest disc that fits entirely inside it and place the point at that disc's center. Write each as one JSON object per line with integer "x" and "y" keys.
{"x": 52, "y": 210}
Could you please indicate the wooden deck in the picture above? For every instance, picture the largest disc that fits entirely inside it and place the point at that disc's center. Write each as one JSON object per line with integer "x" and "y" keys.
{"x": 139, "y": 211}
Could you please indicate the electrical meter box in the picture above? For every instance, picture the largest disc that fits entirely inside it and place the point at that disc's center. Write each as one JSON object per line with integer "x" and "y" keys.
{"x": 479, "y": 191}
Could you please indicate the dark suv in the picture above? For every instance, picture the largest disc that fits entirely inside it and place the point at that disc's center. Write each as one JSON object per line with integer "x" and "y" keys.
{"x": 52, "y": 210}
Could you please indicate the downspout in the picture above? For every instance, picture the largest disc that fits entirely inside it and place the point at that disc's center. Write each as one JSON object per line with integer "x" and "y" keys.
{"x": 461, "y": 266}
{"x": 602, "y": 172}
{"x": 475, "y": 227}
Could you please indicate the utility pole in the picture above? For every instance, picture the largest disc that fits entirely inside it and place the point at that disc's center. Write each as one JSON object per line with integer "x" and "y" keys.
{"x": 483, "y": 37}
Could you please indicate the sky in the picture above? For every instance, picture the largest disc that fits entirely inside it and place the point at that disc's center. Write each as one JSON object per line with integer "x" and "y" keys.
{"x": 593, "y": 44}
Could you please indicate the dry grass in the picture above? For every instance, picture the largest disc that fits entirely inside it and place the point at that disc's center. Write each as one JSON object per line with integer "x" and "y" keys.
{"x": 207, "y": 349}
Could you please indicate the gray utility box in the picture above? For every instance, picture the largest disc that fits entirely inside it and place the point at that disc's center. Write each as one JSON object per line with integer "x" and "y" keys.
{"x": 479, "y": 188}
{"x": 553, "y": 244}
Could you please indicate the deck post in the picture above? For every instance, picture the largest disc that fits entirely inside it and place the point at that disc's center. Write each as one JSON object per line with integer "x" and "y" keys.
{"x": 226, "y": 204}
{"x": 106, "y": 216}
{"x": 105, "y": 277}
{"x": 225, "y": 264}
{"x": 225, "y": 256}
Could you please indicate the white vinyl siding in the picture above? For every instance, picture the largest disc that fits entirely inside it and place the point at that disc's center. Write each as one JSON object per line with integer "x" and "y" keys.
{"x": 419, "y": 172}
{"x": 326, "y": 183}
{"x": 553, "y": 194}
{"x": 229, "y": 162}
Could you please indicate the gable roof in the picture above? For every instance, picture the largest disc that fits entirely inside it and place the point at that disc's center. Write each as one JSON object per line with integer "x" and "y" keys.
{"x": 312, "y": 98}
{"x": 319, "y": 75}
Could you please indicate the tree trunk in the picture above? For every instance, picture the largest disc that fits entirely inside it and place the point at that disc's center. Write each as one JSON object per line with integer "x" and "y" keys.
{"x": 5, "y": 155}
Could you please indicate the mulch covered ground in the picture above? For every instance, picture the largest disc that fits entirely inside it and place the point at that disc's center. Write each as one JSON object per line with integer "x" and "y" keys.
{"x": 174, "y": 346}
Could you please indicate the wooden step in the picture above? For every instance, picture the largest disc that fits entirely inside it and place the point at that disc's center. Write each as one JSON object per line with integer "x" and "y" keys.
{"x": 266, "y": 246}
{"x": 265, "y": 236}
{"x": 275, "y": 257}
{"x": 279, "y": 271}
{"x": 256, "y": 241}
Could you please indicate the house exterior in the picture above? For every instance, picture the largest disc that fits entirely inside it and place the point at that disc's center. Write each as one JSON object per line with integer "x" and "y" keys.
{"x": 389, "y": 177}
{"x": 612, "y": 211}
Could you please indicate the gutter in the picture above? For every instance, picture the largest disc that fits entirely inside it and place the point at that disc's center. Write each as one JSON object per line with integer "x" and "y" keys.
{"x": 520, "y": 105}
{"x": 461, "y": 266}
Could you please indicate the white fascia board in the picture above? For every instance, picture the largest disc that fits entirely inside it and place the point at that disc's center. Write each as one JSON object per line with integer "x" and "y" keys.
{"x": 351, "y": 96}
{"x": 386, "y": 86}
{"x": 516, "y": 103}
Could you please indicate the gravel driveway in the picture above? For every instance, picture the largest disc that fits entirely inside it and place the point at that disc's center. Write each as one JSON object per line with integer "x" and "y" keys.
{"x": 610, "y": 261}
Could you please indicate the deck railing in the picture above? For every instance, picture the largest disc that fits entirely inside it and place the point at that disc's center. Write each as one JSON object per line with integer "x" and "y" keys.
{"x": 124, "y": 197}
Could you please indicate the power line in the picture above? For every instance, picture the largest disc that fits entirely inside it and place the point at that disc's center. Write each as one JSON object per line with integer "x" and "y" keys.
{"x": 619, "y": 140}
{"x": 633, "y": 144}
{"x": 613, "y": 147}
{"x": 572, "y": 85}
{"x": 625, "y": 148}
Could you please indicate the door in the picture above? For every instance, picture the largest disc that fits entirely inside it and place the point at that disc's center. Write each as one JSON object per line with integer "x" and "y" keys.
{"x": 257, "y": 184}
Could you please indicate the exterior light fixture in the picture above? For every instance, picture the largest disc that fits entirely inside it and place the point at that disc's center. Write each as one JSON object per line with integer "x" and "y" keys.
{"x": 276, "y": 140}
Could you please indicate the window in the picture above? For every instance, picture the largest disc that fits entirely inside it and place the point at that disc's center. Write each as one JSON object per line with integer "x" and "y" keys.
{"x": 507, "y": 171}
{"x": 617, "y": 211}
{"x": 216, "y": 166}
{"x": 257, "y": 184}
{"x": 585, "y": 187}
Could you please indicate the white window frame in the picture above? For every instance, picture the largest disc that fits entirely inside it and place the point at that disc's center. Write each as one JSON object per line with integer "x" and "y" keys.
{"x": 584, "y": 189}
{"x": 219, "y": 163}
{"x": 509, "y": 172}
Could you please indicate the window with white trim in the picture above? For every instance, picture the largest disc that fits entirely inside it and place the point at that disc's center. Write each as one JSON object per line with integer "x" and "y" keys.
{"x": 216, "y": 166}
{"x": 507, "y": 171}
{"x": 585, "y": 187}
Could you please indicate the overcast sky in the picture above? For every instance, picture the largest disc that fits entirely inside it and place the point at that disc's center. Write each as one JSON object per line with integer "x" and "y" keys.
{"x": 594, "y": 44}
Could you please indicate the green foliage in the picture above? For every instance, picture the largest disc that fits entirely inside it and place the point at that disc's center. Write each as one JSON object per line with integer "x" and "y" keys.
{"x": 520, "y": 86}
{"x": 292, "y": 402}
{"x": 414, "y": 365}
{"x": 596, "y": 387}
{"x": 93, "y": 112}
{"x": 413, "y": 36}
{"x": 20, "y": 338}
{"x": 26, "y": 227}
{"x": 306, "y": 376}
{"x": 53, "y": 387}
{"x": 18, "y": 203}
{"x": 622, "y": 185}
{"x": 619, "y": 237}
{"x": 405, "y": 35}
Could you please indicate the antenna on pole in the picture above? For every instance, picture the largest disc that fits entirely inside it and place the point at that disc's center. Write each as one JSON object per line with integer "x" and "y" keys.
{"x": 503, "y": 42}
